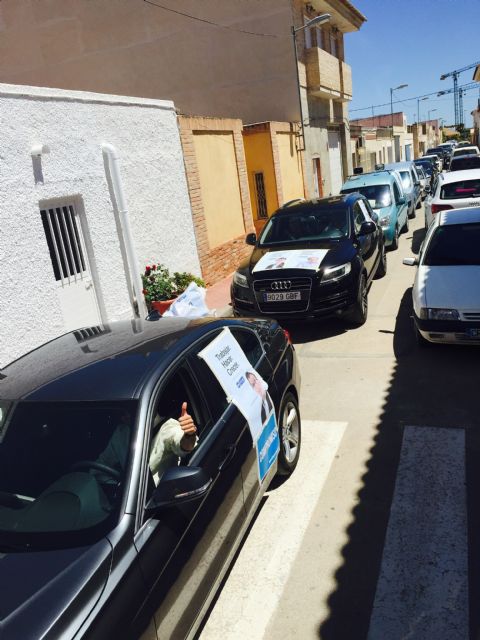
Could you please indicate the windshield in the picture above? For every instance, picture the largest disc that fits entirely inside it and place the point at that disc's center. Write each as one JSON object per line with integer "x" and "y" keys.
{"x": 461, "y": 189}
{"x": 406, "y": 179}
{"x": 378, "y": 195}
{"x": 455, "y": 244}
{"x": 426, "y": 166}
{"x": 472, "y": 162}
{"x": 465, "y": 152}
{"x": 63, "y": 470}
{"x": 305, "y": 226}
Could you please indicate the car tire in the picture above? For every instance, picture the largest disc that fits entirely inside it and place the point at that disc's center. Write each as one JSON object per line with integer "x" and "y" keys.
{"x": 405, "y": 226}
{"x": 382, "y": 265}
{"x": 394, "y": 245}
{"x": 290, "y": 434}
{"x": 419, "y": 204}
{"x": 358, "y": 315}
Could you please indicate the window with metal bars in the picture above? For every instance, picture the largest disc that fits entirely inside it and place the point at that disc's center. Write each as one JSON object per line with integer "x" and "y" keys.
{"x": 261, "y": 197}
{"x": 64, "y": 243}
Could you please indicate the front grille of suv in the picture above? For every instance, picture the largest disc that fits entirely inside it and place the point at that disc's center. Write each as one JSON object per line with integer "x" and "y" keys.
{"x": 304, "y": 285}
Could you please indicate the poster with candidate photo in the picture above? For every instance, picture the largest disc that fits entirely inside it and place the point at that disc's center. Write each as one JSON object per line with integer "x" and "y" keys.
{"x": 295, "y": 259}
{"x": 245, "y": 387}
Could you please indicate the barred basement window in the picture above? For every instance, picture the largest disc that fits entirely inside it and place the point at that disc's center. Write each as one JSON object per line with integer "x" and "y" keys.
{"x": 261, "y": 197}
{"x": 64, "y": 244}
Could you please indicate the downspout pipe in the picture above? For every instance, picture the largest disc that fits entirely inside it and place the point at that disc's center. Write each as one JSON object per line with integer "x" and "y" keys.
{"x": 110, "y": 153}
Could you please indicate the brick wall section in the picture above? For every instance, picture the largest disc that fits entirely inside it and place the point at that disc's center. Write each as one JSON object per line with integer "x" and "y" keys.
{"x": 220, "y": 261}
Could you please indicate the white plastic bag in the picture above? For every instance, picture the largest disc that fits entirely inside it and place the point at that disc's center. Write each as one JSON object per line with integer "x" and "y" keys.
{"x": 190, "y": 304}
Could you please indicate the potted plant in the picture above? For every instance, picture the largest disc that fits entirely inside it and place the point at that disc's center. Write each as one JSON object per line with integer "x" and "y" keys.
{"x": 160, "y": 287}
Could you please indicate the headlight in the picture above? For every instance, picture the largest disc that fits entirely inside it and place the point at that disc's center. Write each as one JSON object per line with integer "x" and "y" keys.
{"x": 385, "y": 221}
{"x": 439, "y": 314}
{"x": 335, "y": 273}
{"x": 240, "y": 280}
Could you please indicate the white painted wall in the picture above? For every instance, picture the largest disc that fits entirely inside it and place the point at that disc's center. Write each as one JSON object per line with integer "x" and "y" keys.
{"x": 74, "y": 125}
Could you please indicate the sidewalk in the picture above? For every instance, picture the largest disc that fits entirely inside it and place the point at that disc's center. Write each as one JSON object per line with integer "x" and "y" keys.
{"x": 218, "y": 297}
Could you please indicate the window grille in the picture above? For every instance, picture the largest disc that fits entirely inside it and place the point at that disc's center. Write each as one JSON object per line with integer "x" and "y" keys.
{"x": 261, "y": 197}
{"x": 64, "y": 244}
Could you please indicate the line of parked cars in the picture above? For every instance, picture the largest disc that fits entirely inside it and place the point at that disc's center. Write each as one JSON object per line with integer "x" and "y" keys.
{"x": 446, "y": 290}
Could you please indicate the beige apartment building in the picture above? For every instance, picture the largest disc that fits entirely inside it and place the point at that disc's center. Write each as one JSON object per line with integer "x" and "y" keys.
{"x": 223, "y": 59}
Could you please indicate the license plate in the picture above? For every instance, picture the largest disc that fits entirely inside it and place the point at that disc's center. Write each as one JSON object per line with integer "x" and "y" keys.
{"x": 473, "y": 333}
{"x": 282, "y": 296}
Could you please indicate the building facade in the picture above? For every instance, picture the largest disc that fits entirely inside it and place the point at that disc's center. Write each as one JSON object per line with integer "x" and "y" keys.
{"x": 65, "y": 251}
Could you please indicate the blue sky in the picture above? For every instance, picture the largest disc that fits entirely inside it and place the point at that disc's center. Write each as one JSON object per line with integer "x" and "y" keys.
{"x": 413, "y": 42}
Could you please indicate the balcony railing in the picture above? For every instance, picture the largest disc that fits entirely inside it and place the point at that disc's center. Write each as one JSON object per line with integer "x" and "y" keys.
{"x": 327, "y": 76}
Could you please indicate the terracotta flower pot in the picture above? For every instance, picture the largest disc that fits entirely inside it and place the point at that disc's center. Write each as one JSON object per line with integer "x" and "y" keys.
{"x": 162, "y": 305}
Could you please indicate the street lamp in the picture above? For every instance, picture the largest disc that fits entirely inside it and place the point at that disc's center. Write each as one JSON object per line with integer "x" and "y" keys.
{"x": 400, "y": 86}
{"x": 418, "y": 107}
{"x": 324, "y": 17}
{"x": 431, "y": 111}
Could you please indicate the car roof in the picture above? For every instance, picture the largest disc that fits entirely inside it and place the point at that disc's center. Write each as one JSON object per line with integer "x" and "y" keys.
{"x": 459, "y": 216}
{"x": 366, "y": 179}
{"x": 399, "y": 165}
{"x": 335, "y": 202}
{"x": 456, "y": 176}
{"x": 107, "y": 362}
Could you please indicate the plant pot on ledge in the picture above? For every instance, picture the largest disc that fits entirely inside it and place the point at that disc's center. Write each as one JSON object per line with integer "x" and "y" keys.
{"x": 162, "y": 305}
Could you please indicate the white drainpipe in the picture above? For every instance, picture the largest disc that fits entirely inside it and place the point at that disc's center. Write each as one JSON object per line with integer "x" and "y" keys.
{"x": 111, "y": 154}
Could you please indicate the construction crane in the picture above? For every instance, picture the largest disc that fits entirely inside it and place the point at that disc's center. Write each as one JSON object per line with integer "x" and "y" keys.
{"x": 457, "y": 96}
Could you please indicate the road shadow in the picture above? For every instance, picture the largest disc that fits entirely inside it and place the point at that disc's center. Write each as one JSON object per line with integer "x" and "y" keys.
{"x": 435, "y": 387}
{"x": 417, "y": 239}
{"x": 304, "y": 331}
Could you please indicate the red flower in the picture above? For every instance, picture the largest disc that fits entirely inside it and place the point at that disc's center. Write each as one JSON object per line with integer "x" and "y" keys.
{"x": 144, "y": 291}
{"x": 154, "y": 266}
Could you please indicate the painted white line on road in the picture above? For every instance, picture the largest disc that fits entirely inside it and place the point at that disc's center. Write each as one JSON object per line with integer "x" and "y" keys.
{"x": 251, "y": 594}
{"x": 422, "y": 591}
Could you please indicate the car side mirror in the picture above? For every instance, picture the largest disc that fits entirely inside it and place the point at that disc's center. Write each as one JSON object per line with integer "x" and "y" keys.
{"x": 402, "y": 200}
{"x": 251, "y": 239}
{"x": 178, "y": 485}
{"x": 366, "y": 228}
{"x": 428, "y": 188}
{"x": 410, "y": 262}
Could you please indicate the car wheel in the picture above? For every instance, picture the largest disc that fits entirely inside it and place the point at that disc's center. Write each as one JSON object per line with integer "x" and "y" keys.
{"x": 359, "y": 314}
{"x": 382, "y": 265}
{"x": 405, "y": 226}
{"x": 394, "y": 245}
{"x": 290, "y": 434}
{"x": 419, "y": 204}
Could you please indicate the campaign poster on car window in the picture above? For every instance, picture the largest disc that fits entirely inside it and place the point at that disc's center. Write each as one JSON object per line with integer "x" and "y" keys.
{"x": 245, "y": 387}
{"x": 295, "y": 259}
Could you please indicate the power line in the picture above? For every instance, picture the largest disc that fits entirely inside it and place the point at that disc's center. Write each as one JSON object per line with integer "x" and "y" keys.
{"x": 465, "y": 87}
{"x": 214, "y": 24}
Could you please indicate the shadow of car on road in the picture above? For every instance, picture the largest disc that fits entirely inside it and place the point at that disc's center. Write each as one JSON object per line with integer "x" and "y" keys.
{"x": 436, "y": 387}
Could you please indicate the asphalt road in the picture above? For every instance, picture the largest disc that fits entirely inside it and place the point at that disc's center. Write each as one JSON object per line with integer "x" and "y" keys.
{"x": 376, "y": 534}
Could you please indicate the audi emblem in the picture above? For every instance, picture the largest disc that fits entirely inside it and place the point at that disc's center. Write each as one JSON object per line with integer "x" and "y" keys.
{"x": 281, "y": 285}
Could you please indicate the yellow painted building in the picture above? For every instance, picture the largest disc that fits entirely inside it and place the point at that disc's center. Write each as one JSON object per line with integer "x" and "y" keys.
{"x": 274, "y": 168}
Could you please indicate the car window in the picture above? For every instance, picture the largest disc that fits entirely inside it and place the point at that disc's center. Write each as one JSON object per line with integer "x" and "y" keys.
{"x": 358, "y": 217}
{"x": 378, "y": 195}
{"x": 406, "y": 179}
{"x": 64, "y": 469}
{"x": 168, "y": 446}
{"x": 249, "y": 343}
{"x": 322, "y": 223}
{"x": 461, "y": 189}
{"x": 454, "y": 244}
{"x": 396, "y": 193}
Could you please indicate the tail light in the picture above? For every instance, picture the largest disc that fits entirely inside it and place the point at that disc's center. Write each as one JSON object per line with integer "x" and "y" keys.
{"x": 436, "y": 208}
{"x": 287, "y": 336}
